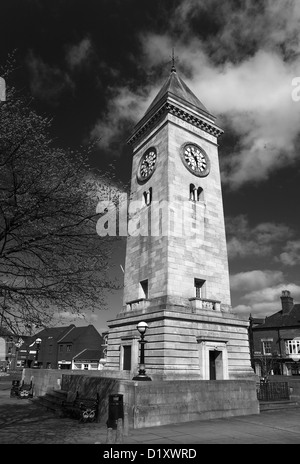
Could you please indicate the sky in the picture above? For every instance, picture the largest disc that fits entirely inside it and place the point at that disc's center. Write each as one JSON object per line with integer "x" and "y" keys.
{"x": 94, "y": 66}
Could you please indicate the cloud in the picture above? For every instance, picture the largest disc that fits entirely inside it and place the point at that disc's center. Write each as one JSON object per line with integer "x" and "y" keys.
{"x": 260, "y": 240}
{"x": 255, "y": 280}
{"x": 291, "y": 254}
{"x": 47, "y": 82}
{"x": 123, "y": 108}
{"x": 263, "y": 302}
{"x": 68, "y": 317}
{"x": 79, "y": 54}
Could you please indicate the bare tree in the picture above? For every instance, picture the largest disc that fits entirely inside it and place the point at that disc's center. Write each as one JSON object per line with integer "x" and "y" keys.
{"x": 51, "y": 258}
{"x": 266, "y": 364}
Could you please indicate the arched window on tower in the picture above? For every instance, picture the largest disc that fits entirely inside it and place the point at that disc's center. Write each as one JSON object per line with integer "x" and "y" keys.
{"x": 148, "y": 196}
{"x": 200, "y": 194}
{"x": 192, "y": 192}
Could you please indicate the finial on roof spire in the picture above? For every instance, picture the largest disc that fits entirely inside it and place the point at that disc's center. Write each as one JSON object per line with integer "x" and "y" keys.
{"x": 173, "y": 69}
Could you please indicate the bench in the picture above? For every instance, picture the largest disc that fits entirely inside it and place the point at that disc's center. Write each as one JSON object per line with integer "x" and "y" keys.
{"x": 80, "y": 407}
{"x": 21, "y": 390}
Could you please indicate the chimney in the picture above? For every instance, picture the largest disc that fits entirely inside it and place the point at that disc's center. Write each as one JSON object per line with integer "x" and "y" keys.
{"x": 287, "y": 302}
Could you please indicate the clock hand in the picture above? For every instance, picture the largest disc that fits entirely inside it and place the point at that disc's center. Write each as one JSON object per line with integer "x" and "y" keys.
{"x": 195, "y": 158}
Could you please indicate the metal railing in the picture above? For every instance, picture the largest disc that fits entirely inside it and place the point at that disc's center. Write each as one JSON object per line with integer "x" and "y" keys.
{"x": 273, "y": 391}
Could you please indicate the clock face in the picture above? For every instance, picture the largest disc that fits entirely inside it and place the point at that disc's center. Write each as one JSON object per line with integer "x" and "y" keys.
{"x": 147, "y": 164}
{"x": 195, "y": 160}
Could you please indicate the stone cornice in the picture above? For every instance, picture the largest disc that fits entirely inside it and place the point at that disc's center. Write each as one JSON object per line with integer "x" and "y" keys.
{"x": 168, "y": 107}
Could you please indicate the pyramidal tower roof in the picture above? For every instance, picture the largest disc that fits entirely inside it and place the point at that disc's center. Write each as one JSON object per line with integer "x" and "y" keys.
{"x": 176, "y": 98}
{"x": 177, "y": 88}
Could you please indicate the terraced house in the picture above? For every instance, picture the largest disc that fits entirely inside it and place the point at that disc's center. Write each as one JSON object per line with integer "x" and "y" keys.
{"x": 59, "y": 347}
{"x": 275, "y": 340}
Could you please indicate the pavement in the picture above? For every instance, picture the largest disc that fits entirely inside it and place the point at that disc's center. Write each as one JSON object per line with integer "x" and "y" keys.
{"x": 23, "y": 421}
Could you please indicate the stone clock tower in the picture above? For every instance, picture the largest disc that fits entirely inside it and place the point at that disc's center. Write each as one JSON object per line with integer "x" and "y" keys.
{"x": 176, "y": 271}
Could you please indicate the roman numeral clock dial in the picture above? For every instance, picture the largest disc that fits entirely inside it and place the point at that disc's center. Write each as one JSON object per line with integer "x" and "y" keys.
{"x": 147, "y": 165}
{"x": 195, "y": 159}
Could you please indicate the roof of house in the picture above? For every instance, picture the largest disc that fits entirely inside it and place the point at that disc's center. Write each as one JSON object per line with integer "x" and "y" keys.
{"x": 257, "y": 320}
{"x": 292, "y": 319}
{"x": 89, "y": 355}
{"x": 52, "y": 332}
{"x": 71, "y": 335}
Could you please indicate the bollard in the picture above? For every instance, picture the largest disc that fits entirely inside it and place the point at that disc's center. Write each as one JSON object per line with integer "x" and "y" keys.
{"x": 126, "y": 424}
{"x": 119, "y": 434}
{"x": 110, "y": 436}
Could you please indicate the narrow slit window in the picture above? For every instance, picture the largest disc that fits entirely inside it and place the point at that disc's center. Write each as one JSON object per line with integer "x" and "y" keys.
{"x": 200, "y": 194}
{"x": 192, "y": 192}
{"x": 148, "y": 197}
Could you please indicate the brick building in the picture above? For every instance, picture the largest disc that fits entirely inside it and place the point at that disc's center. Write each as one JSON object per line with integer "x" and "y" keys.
{"x": 59, "y": 346}
{"x": 275, "y": 340}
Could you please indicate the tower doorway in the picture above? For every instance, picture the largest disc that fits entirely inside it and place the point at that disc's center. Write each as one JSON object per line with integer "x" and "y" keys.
{"x": 213, "y": 360}
{"x": 215, "y": 365}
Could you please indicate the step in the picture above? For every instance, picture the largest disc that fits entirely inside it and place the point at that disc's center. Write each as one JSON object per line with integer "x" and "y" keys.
{"x": 62, "y": 393}
{"x": 273, "y": 405}
{"x": 56, "y": 397}
{"x": 52, "y": 400}
{"x": 45, "y": 403}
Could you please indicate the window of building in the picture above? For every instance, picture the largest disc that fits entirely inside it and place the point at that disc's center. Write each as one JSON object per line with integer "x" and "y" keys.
{"x": 148, "y": 197}
{"x": 69, "y": 348}
{"x": 61, "y": 348}
{"x": 200, "y": 288}
{"x": 144, "y": 288}
{"x": 196, "y": 193}
{"x": 267, "y": 347}
{"x": 200, "y": 194}
{"x": 127, "y": 357}
{"x": 86, "y": 367}
{"x": 192, "y": 192}
{"x": 292, "y": 347}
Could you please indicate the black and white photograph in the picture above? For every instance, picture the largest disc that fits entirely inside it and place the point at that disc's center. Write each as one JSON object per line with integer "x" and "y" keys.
{"x": 149, "y": 225}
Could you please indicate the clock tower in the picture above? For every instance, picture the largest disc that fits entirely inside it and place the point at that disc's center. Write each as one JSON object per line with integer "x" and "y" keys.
{"x": 176, "y": 270}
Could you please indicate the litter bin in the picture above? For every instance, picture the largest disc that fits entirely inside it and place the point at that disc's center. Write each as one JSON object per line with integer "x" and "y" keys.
{"x": 115, "y": 410}
{"x": 15, "y": 388}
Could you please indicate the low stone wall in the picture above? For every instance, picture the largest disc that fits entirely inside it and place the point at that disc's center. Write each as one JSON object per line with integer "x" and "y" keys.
{"x": 44, "y": 380}
{"x": 159, "y": 403}
{"x": 47, "y": 379}
{"x": 155, "y": 403}
{"x": 104, "y": 386}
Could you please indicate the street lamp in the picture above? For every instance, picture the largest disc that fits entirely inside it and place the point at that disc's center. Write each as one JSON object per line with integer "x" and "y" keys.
{"x": 142, "y": 327}
{"x": 38, "y": 342}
